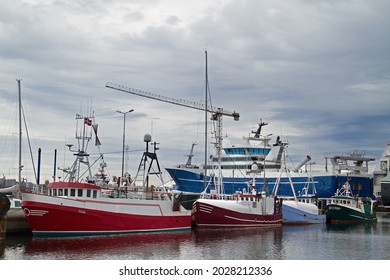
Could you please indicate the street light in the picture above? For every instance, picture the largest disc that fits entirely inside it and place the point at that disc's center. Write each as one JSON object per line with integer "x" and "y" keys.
{"x": 123, "y": 143}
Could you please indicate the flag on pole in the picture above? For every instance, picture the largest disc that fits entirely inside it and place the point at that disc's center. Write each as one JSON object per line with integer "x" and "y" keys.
{"x": 88, "y": 121}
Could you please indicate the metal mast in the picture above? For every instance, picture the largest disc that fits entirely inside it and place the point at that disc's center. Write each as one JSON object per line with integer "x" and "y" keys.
{"x": 20, "y": 133}
{"x": 205, "y": 123}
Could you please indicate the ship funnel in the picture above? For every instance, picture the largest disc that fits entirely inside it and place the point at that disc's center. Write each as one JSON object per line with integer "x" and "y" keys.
{"x": 306, "y": 160}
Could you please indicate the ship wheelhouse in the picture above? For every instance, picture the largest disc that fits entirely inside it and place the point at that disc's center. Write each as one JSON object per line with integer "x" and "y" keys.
{"x": 71, "y": 190}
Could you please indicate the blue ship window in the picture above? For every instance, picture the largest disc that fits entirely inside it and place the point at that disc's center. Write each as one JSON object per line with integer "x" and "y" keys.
{"x": 232, "y": 151}
{"x": 256, "y": 151}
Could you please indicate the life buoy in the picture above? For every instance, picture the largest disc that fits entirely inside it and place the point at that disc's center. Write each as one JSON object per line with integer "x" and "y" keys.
{"x": 26, "y": 212}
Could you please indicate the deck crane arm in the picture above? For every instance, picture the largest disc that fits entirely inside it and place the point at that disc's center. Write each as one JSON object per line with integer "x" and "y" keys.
{"x": 181, "y": 102}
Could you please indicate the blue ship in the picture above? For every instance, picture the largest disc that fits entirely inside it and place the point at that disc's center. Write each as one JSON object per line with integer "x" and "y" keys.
{"x": 232, "y": 167}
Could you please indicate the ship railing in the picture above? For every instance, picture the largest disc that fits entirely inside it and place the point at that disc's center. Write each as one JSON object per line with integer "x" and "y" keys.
{"x": 236, "y": 196}
{"x": 216, "y": 196}
{"x": 141, "y": 193}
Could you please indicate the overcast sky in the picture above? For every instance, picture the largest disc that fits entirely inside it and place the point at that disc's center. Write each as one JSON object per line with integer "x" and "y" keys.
{"x": 317, "y": 71}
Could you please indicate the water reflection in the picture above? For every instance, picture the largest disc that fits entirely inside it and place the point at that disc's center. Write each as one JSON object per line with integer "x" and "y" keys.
{"x": 137, "y": 246}
{"x": 362, "y": 228}
{"x": 238, "y": 243}
{"x": 313, "y": 242}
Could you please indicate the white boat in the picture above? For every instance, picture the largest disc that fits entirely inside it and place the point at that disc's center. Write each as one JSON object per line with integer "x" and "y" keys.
{"x": 302, "y": 209}
{"x": 300, "y": 212}
{"x": 95, "y": 207}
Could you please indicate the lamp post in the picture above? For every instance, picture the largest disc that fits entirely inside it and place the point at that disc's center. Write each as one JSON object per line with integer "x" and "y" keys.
{"x": 123, "y": 142}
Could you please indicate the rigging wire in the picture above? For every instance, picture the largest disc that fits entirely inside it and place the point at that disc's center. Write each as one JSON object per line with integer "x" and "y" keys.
{"x": 29, "y": 145}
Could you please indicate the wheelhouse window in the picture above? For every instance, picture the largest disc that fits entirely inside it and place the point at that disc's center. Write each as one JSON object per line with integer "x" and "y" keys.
{"x": 232, "y": 151}
{"x": 256, "y": 151}
{"x": 88, "y": 193}
{"x": 72, "y": 192}
{"x": 79, "y": 192}
{"x": 94, "y": 193}
{"x": 65, "y": 192}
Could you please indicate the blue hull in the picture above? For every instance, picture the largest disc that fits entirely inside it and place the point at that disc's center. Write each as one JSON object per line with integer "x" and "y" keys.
{"x": 295, "y": 216}
{"x": 326, "y": 185}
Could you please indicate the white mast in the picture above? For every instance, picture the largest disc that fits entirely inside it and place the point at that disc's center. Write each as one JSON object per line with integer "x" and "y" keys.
{"x": 20, "y": 137}
{"x": 205, "y": 125}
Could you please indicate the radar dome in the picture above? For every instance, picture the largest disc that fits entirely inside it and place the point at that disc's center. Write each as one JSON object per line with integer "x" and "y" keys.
{"x": 147, "y": 138}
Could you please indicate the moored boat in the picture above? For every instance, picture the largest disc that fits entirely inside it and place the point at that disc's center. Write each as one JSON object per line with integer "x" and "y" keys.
{"x": 93, "y": 206}
{"x": 345, "y": 208}
{"x": 297, "y": 212}
{"x": 298, "y": 209}
{"x": 248, "y": 208}
{"x": 71, "y": 209}
{"x": 238, "y": 210}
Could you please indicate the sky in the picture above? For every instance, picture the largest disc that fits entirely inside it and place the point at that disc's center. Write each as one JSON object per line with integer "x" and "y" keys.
{"x": 318, "y": 72}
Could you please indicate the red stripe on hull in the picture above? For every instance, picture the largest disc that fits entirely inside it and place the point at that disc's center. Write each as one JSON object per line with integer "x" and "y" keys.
{"x": 43, "y": 217}
{"x": 221, "y": 217}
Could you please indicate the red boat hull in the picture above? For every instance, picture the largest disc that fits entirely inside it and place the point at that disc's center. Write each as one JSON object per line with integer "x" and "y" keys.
{"x": 204, "y": 214}
{"x": 46, "y": 219}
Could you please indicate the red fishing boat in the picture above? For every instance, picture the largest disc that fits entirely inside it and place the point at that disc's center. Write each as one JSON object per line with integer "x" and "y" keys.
{"x": 93, "y": 206}
{"x": 248, "y": 208}
{"x": 238, "y": 210}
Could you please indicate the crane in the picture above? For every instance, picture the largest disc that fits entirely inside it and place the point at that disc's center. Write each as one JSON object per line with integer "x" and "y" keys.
{"x": 217, "y": 112}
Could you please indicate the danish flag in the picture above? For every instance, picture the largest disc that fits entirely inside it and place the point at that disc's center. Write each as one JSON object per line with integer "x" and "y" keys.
{"x": 88, "y": 121}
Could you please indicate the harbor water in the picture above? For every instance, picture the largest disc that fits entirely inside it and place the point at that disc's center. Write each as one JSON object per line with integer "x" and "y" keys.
{"x": 312, "y": 242}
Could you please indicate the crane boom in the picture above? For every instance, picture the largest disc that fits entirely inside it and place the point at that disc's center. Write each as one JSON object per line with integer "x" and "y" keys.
{"x": 181, "y": 102}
